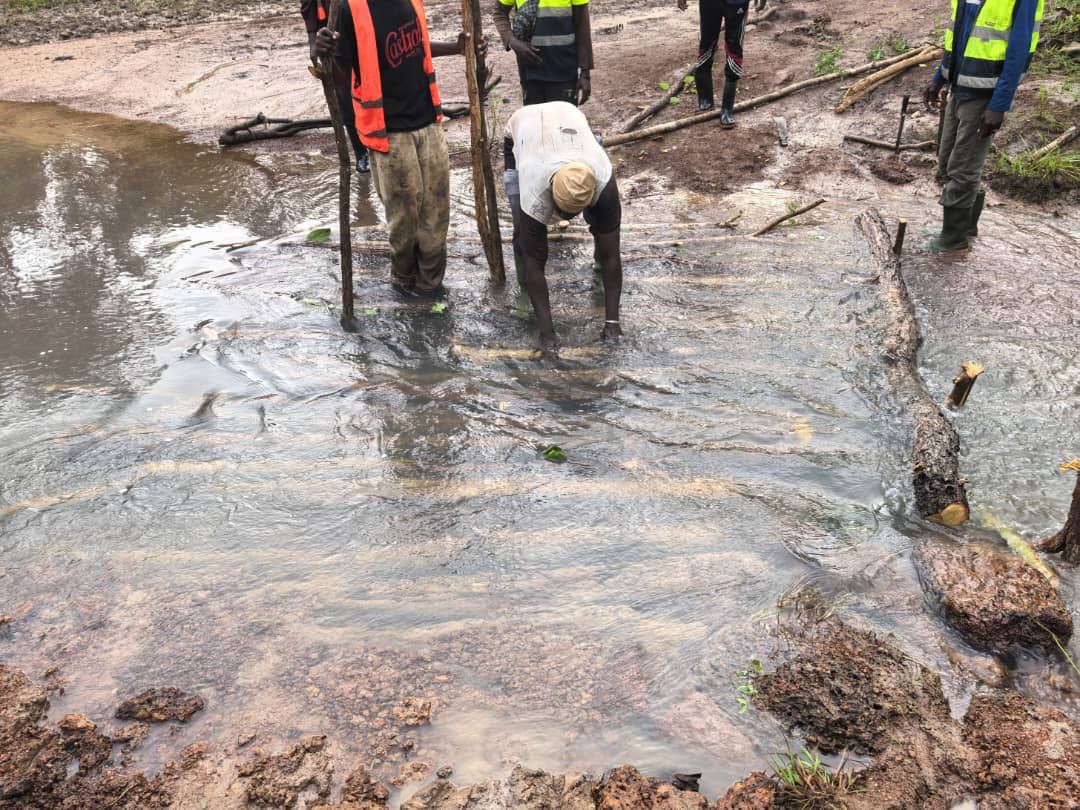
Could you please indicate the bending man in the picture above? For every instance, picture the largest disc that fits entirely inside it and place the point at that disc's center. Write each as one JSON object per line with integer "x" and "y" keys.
{"x": 555, "y": 169}
{"x": 395, "y": 97}
{"x": 987, "y": 51}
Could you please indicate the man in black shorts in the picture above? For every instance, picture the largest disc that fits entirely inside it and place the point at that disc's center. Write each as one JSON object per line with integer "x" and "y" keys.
{"x": 556, "y": 169}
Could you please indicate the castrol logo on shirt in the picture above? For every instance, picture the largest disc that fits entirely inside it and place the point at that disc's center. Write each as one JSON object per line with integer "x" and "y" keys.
{"x": 403, "y": 43}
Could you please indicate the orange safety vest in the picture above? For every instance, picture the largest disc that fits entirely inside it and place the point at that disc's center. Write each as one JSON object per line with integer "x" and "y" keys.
{"x": 367, "y": 91}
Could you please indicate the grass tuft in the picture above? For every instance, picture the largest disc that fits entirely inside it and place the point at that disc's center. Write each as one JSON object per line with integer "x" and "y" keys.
{"x": 828, "y": 61}
{"x": 806, "y": 782}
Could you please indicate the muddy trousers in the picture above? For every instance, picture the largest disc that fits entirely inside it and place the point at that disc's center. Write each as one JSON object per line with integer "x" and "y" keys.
{"x": 413, "y": 182}
{"x": 962, "y": 152}
{"x": 716, "y": 15}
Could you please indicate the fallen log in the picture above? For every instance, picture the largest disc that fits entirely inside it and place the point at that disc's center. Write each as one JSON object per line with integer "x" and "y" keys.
{"x": 770, "y": 225}
{"x": 273, "y": 128}
{"x": 878, "y": 78}
{"x": 940, "y": 493}
{"x": 887, "y": 145}
{"x": 674, "y": 89}
{"x": 1067, "y": 541}
{"x": 672, "y": 126}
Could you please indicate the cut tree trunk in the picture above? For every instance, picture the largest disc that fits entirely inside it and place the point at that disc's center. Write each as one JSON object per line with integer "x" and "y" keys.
{"x": 1067, "y": 541}
{"x": 487, "y": 206}
{"x": 940, "y": 494}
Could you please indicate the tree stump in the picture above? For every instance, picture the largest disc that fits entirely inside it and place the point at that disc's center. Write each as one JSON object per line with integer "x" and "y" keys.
{"x": 1067, "y": 541}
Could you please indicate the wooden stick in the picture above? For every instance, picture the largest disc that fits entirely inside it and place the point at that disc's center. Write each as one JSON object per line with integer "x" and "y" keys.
{"x": 787, "y": 216}
{"x": 673, "y": 90}
{"x": 326, "y": 71}
{"x": 672, "y": 126}
{"x": 887, "y": 145}
{"x": 487, "y": 210}
{"x": 962, "y": 384}
{"x": 1057, "y": 143}
{"x": 898, "y": 243}
{"x": 875, "y": 80}
{"x": 940, "y": 492}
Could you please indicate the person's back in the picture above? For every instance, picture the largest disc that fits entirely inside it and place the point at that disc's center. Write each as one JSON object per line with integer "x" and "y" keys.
{"x": 546, "y": 137}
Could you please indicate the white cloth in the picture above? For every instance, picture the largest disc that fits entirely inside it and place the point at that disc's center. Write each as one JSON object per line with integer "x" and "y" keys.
{"x": 547, "y": 136}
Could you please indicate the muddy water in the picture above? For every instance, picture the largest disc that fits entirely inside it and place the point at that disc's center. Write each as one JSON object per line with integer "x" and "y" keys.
{"x": 207, "y": 484}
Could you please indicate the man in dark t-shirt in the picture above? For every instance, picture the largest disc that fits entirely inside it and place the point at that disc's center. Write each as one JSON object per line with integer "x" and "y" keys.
{"x": 410, "y": 161}
{"x": 314, "y": 14}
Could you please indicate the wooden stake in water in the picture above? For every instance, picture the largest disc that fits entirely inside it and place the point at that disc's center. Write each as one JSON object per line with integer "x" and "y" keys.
{"x": 326, "y": 73}
{"x": 487, "y": 208}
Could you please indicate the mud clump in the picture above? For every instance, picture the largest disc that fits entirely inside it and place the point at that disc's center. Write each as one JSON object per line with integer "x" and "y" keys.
{"x": 758, "y": 791}
{"x": 848, "y": 690}
{"x": 361, "y": 792}
{"x": 275, "y": 781}
{"x": 34, "y": 758}
{"x": 1032, "y": 752}
{"x": 991, "y": 597}
{"x": 623, "y": 788}
{"x": 160, "y": 706}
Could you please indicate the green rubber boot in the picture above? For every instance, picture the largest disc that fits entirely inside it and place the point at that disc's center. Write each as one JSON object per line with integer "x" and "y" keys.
{"x": 976, "y": 212}
{"x": 954, "y": 229}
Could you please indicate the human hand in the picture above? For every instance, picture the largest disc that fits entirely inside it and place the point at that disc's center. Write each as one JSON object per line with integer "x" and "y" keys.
{"x": 326, "y": 42}
{"x": 759, "y": 5}
{"x": 682, "y": 5}
{"x": 584, "y": 86}
{"x": 932, "y": 95}
{"x": 526, "y": 51}
{"x": 989, "y": 123}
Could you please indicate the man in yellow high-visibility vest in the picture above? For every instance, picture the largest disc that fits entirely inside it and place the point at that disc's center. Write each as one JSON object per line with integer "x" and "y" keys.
{"x": 553, "y": 43}
{"x": 987, "y": 51}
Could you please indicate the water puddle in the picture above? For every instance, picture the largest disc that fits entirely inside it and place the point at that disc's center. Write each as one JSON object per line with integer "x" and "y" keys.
{"x": 206, "y": 484}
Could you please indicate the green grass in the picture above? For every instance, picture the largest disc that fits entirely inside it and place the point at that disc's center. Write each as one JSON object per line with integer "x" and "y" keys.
{"x": 1061, "y": 25}
{"x": 805, "y": 781}
{"x": 827, "y": 61}
{"x": 744, "y": 684}
{"x": 1061, "y": 164}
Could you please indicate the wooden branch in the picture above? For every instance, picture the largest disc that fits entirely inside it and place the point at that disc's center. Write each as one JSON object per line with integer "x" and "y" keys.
{"x": 730, "y": 223}
{"x": 887, "y": 145}
{"x": 675, "y": 88}
{"x": 1057, "y": 143}
{"x": 326, "y": 72}
{"x": 672, "y": 126}
{"x": 487, "y": 209}
{"x": 875, "y": 80}
{"x": 1067, "y": 541}
{"x": 785, "y": 217}
{"x": 940, "y": 493}
{"x": 962, "y": 384}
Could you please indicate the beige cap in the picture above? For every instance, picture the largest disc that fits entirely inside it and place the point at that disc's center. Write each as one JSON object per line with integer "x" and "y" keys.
{"x": 573, "y": 187}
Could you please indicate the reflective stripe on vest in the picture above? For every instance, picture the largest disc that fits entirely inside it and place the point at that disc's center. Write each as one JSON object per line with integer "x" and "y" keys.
{"x": 367, "y": 96}
{"x": 984, "y": 54}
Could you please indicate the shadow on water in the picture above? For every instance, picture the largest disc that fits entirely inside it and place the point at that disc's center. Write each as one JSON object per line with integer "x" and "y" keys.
{"x": 207, "y": 484}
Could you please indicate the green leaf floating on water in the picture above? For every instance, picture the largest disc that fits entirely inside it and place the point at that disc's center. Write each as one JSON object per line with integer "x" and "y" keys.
{"x": 369, "y": 311}
{"x": 319, "y": 235}
{"x": 554, "y": 454}
{"x": 438, "y": 306}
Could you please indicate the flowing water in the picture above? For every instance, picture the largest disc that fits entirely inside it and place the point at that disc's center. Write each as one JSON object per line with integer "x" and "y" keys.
{"x": 207, "y": 484}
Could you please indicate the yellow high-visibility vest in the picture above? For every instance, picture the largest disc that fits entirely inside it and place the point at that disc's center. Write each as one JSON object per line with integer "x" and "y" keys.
{"x": 984, "y": 54}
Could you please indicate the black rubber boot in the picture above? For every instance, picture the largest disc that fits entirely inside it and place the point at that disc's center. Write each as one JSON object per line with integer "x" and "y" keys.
{"x": 363, "y": 162}
{"x": 976, "y": 212}
{"x": 953, "y": 236}
{"x": 704, "y": 83}
{"x": 727, "y": 105}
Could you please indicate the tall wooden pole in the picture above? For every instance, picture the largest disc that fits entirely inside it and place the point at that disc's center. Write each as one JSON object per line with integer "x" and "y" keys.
{"x": 326, "y": 73}
{"x": 487, "y": 208}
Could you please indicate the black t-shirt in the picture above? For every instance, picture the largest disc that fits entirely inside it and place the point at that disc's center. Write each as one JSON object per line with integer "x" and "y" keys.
{"x": 406, "y": 94}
